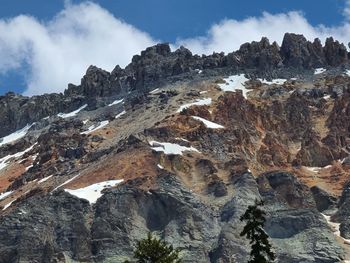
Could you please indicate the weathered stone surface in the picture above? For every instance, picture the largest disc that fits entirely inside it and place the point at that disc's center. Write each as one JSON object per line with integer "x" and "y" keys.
{"x": 63, "y": 226}
{"x": 343, "y": 213}
{"x": 45, "y": 230}
{"x": 324, "y": 200}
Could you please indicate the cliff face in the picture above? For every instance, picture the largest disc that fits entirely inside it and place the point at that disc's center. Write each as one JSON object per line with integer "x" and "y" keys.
{"x": 180, "y": 145}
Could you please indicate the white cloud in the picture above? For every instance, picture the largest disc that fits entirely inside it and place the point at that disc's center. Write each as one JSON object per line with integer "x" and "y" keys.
{"x": 346, "y": 11}
{"x": 229, "y": 34}
{"x": 59, "y": 51}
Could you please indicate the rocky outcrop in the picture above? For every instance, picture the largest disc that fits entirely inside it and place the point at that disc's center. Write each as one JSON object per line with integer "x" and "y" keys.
{"x": 313, "y": 153}
{"x": 297, "y": 52}
{"x": 335, "y": 53}
{"x": 272, "y": 152}
{"x": 57, "y": 151}
{"x": 260, "y": 55}
{"x": 46, "y": 230}
{"x": 343, "y": 213}
{"x": 324, "y": 201}
{"x": 293, "y": 219}
{"x": 338, "y": 138}
{"x": 297, "y": 114}
{"x": 283, "y": 189}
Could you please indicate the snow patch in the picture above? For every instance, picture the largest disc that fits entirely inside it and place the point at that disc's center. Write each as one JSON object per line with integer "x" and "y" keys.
{"x": 153, "y": 91}
{"x": 317, "y": 169}
{"x": 182, "y": 139}
{"x": 95, "y": 128}
{"x": 4, "y": 161}
{"x": 15, "y": 135}
{"x": 120, "y": 114}
{"x": 198, "y": 102}
{"x": 71, "y": 114}
{"x": 335, "y": 228}
{"x": 44, "y": 179}
{"x": 274, "y": 81}
{"x": 4, "y": 195}
{"x": 208, "y": 124}
{"x": 313, "y": 169}
{"x": 170, "y": 148}
{"x": 203, "y": 92}
{"x": 160, "y": 167}
{"x": 319, "y": 71}
{"x": 235, "y": 82}
{"x": 66, "y": 182}
{"x": 8, "y": 205}
{"x": 94, "y": 191}
{"x": 115, "y": 102}
{"x": 28, "y": 167}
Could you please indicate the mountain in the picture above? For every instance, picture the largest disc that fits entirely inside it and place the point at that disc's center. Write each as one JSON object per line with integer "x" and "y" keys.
{"x": 180, "y": 145}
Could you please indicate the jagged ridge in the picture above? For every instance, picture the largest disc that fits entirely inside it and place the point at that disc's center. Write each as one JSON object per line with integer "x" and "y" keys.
{"x": 157, "y": 65}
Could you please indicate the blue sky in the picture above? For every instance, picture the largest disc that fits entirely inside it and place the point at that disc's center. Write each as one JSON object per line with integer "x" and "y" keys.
{"x": 199, "y": 24}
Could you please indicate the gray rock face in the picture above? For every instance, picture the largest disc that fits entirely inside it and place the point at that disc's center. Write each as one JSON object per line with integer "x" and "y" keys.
{"x": 49, "y": 229}
{"x": 261, "y": 55}
{"x": 335, "y": 52}
{"x": 177, "y": 215}
{"x": 57, "y": 150}
{"x": 298, "y": 115}
{"x": 43, "y": 229}
{"x": 298, "y": 52}
{"x": 293, "y": 222}
{"x": 339, "y": 125}
{"x": 343, "y": 213}
{"x": 324, "y": 200}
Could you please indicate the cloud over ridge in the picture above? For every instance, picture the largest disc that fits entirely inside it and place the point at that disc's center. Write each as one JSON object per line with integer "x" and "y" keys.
{"x": 59, "y": 51}
{"x": 229, "y": 34}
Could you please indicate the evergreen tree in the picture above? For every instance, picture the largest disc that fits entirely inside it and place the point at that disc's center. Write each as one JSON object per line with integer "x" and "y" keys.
{"x": 154, "y": 250}
{"x": 261, "y": 249}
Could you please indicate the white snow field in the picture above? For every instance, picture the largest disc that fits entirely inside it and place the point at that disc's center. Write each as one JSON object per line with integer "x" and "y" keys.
{"x": 93, "y": 128}
{"x": 198, "y": 102}
{"x": 116, "y": 102}
{"x": 6, "y": 194}
{"x": 319, "y": 71}
{"x": 208, "y": 124}
{"x": 94, "y": 191}
{"x": 15, "y": 135}
{"x": 71, "y": 114}
{"x": 274, "y": 81}
{"x": 170, "y": 148}
{"x": 235, "y": 82}
{"x": 120, "y": 114}
{"x": 4, "y": 161}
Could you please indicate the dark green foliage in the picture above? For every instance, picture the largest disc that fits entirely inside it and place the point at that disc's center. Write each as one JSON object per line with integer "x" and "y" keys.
{"x": 154, "y": 250}
{"x": 261, "y": 251}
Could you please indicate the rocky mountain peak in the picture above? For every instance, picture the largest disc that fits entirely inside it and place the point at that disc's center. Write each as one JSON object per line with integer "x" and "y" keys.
{"x": 180, "y": 145}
